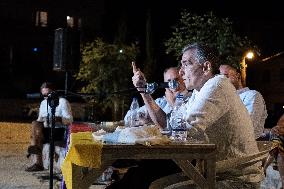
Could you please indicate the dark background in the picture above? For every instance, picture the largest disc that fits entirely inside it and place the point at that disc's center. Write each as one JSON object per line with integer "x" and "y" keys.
{"x": 23, "y": 69}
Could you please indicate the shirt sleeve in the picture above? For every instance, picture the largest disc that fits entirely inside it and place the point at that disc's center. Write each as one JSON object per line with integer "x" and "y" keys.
{"x": 66, "y": 112}
{"x": 256, "y": 107}
{"x": 41, "y": 116}
{"x": 161, "y": 102}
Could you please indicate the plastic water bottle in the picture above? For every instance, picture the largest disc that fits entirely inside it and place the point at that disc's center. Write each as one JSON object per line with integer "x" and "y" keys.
{"x": 174, "y": 115}
{"x": 134, "y": 112}
{"x": 178, "y": 125}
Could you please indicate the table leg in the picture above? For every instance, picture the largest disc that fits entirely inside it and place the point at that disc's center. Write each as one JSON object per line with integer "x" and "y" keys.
{"x": 83, "y": 178}
{"x": 210, "y": 172}
{"x": 205, "y": 182}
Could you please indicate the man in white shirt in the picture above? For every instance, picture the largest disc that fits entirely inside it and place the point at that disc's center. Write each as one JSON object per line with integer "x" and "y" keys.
{"x": 252, "y": 99}
{"x": 215, "y": 109}
{"x": 132, "y": 178}
{"x": 166, "y": 102}
{"x": 41, "y": 127}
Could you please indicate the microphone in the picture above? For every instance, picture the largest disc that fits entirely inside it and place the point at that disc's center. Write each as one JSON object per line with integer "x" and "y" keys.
{"x": 151, "y": 87}
{"x": 39, "y": 95}
{"x": 34, "y": 95}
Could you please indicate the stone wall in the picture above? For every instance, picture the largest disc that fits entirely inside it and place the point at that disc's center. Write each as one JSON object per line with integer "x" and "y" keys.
{"x": 15, "y": 132}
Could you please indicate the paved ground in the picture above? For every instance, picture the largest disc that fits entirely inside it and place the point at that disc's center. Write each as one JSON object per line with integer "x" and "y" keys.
{"x": 13, "y": 176}
{"x": 14, "y": 139}
{"x": 12, "y": 165}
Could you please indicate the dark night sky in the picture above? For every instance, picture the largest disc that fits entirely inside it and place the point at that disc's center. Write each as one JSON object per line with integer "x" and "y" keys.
{"x": 262, "y": 22}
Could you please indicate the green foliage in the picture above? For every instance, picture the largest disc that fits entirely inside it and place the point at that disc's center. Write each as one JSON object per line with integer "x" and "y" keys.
{"x": 214, "y": 31}
{"x": 105, "y": 69}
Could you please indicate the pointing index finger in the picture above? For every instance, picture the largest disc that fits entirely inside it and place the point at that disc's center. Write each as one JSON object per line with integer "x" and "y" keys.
{"x": 134, "y": 68}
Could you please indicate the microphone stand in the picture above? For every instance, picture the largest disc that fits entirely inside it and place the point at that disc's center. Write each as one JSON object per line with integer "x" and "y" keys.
{"x": 53, "y": 102}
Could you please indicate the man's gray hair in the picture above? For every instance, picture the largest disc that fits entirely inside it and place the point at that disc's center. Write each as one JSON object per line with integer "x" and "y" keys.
{"x": 205, "y": 53}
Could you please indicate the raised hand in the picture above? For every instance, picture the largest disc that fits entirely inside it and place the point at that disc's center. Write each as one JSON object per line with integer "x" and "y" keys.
{"x": 138, "y": 78}
{"x": 170, "y": 96}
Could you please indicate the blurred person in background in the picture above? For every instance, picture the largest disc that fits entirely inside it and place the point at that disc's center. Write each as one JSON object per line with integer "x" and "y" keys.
{"x": 40, "y": 130}
{"x": 252, "y": 99}
{"x": 164, "y": 103}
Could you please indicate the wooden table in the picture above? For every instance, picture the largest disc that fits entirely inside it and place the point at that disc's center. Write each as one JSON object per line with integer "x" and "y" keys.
{"x": 181, "y": 154}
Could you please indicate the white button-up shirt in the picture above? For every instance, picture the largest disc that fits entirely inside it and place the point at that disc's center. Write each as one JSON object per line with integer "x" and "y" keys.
{"x": 63, "y": 110}
{"x": 218, "y": 110}
{"x": 161, "y": 102}
{"x": 256, "y": 107}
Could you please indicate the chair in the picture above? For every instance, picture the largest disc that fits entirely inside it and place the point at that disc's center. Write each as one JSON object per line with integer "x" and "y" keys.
{"x": 181, "y": 181}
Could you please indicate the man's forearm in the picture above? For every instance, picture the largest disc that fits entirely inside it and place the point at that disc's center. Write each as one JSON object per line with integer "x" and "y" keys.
{"x": 157, "y": 115}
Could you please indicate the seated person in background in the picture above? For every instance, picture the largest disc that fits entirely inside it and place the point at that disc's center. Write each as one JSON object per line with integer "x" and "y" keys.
{"x": 252, "y": 99}
{"x": 166, "y": 102}
{"x": 41, "y": 127}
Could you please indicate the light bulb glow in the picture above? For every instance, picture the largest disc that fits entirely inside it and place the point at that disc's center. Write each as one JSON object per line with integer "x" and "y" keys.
{"x": 250, "y": 55}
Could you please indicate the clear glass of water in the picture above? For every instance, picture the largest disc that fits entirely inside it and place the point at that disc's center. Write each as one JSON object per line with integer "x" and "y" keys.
{"x": 178, "y": 129}
{"x": 179, "y": 134}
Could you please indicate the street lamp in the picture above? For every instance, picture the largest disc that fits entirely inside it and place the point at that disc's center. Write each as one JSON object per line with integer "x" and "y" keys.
{"x": 249, "y": 55}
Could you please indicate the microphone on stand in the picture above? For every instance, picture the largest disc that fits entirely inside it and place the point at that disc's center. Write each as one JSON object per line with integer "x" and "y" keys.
{"x": 33, "y": 95}
{"x": 149, "y": 88}
{"x": 152, "y": 87}
{"x": 39, "y": 95}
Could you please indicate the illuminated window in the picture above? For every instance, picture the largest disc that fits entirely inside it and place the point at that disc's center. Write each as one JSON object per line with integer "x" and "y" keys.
{"x": 73, "y": 22}
{"x": 70, "y": 21}
{"x": 41, "y": 19}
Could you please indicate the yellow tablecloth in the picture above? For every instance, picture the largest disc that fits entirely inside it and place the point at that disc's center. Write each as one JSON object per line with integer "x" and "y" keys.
{"x": 83, "y": 151}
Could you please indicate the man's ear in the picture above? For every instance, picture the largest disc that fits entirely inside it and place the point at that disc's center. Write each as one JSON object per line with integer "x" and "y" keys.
{"x": 207, "y": 67}
{"x": 239, "y": 76}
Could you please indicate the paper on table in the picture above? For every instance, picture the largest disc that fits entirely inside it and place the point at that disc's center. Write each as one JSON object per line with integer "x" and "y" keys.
{"x": 141, "y": 135}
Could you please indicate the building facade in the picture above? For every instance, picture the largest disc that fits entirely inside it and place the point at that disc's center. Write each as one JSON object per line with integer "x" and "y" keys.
{"x": 27, "y": 39}
{"x": 267, "y": 76}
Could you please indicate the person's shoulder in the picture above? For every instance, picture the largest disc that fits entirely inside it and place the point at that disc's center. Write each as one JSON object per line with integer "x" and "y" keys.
{"x": 220, "y": 81}
{"x": 219, "y": 85}
{"x": 43, "y": 101}
{"x": 62, "y": 99}
{"x": 251, "y": 95}
{"x": 251, "y": 92}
